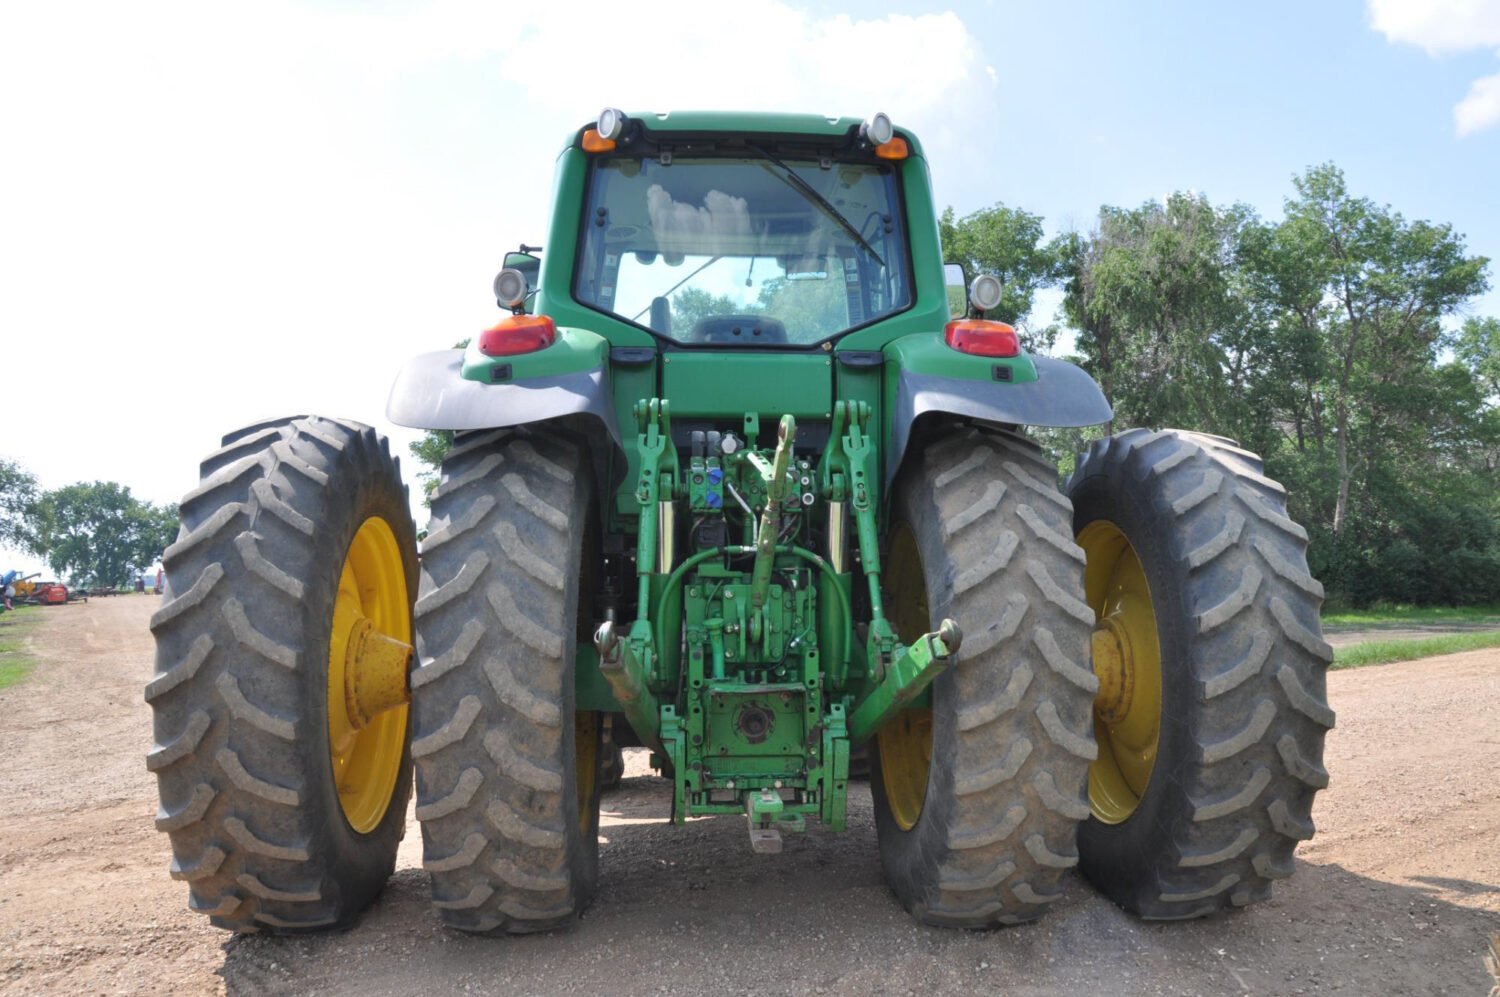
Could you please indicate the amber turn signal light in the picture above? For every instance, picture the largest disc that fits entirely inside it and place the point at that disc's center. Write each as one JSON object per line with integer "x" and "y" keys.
{"x": 594, "y": 142}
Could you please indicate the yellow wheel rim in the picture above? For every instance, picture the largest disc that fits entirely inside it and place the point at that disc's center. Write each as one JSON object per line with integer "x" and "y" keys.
{"x": 1127, "y": 660}
{"x": 367, "y": 675}
{"x": 905, "y": 744}
{"x": 586, "y": 759}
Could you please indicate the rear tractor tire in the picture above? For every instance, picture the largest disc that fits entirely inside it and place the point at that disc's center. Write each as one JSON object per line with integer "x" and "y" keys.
{"x": 282, "y": 642}
{"x": 977, "y": 799}
{"x": 1212, "y": 710}
{"x": 507, "y": 771}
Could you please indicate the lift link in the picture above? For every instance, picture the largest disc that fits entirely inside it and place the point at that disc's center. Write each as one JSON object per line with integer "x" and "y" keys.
{"x": 853, "y": 452}
{"x": 774, "y": 473}
{"x": 912, "y": 670}
{"x": 628, "y": 664}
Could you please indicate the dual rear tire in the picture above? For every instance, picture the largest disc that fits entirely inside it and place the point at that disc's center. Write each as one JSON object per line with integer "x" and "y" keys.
{"x": 285, "y": 803}
{"x": 1184, "y": 764}
{"x": 1181, "y": 782}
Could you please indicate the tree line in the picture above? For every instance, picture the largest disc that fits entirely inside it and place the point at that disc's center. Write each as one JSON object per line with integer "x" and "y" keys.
{"x": 1333, "y": 341}
{"x": 93, "y": 534}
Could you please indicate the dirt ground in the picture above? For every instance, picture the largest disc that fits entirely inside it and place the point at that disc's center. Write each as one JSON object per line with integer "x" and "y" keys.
{"x": 1396, "y": 894}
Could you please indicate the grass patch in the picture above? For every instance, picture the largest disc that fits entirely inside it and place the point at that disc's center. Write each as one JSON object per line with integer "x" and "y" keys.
{"x": 15, "y": 663}
{"x": 1384, "y": 652}
{"x": 1411, "y": 614}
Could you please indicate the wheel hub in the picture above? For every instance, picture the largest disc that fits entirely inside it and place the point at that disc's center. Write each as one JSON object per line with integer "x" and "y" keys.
{"x": 375, "y": 673}
{"x": 1114, "y": 664}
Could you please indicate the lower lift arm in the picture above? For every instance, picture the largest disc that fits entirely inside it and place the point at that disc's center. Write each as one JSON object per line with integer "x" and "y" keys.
{"x": 898, "y": 673}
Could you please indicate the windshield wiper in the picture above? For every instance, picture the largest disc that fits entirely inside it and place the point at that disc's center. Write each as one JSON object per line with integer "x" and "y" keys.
{"x": 810, "y": 192}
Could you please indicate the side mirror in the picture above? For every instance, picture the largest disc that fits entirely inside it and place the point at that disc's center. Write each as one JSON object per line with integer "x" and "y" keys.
{"x": 956, "y": 284}
{"x": 528, "y": 266}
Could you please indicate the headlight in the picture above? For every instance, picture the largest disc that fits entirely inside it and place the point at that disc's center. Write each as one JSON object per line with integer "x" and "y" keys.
{"x": 510, "y": 288}
{"x": 984, "y": 293}
{"x": 611, "y": 123}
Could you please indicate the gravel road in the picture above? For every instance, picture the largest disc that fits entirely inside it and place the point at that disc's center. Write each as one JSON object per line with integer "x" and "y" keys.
{"x": 1396, "y": 894}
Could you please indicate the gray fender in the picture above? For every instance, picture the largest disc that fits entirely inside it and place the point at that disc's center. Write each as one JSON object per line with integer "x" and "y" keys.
{"x": 1062, "y": 396}
{"x": 431, "y": 393}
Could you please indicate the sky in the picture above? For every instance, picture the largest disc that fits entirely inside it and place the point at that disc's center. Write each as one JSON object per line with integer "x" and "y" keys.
{"x": 214, "y": 213}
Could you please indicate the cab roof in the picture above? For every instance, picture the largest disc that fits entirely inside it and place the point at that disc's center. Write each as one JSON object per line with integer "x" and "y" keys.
{"x": 750, "y": 122}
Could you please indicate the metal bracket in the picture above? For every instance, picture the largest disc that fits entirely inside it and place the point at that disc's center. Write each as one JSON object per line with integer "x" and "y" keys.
{"x": 910, "y": 671}
{"x": 835, "y": 768}
{"x": 765, "y": 813}
{"x": 626, "y": 675}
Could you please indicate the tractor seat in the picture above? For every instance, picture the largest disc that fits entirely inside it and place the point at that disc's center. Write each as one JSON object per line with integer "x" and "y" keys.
{"x": 738, "y": 330}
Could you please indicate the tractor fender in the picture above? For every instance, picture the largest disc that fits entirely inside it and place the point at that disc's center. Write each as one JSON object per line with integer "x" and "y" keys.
{"x": 431, "y": 393}
{"x": 1063, "y": 396}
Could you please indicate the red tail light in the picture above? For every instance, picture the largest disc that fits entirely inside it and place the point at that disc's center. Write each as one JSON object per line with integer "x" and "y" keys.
{"x": 982, "y": 338}
{"x": 518, "y": 334}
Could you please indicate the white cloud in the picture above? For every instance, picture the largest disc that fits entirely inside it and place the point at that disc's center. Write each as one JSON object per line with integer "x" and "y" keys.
{"x": 1439, "y": 26}
{"x": 214, "y": 214}
{"x": 1444, "y": 27}
{"x": 1480, "y": 109}
{"x": 752, "y": 55}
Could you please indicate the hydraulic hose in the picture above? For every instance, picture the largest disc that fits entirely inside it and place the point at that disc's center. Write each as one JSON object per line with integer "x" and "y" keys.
{"x": 674, "y": 582}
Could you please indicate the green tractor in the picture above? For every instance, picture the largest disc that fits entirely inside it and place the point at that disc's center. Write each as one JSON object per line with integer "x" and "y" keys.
{"x": 741, "y": 477}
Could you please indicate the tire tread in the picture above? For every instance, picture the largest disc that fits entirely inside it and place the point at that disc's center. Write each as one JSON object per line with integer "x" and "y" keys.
{"x": 234, "y": 761}
{"x": 494, "y": 783}
{"x": 995, "y": 836}
{"x": 1235, "y": 812}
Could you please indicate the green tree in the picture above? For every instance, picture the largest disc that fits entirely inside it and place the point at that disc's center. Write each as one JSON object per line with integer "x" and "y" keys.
{"x": 1387, "y": 449}
{"x": 1384, "y": 284}
{"x": 1478, "y": 345}
{"x": 1318, "y": 341}
{"x": 809, "y": 307}
{"x": 1152, "y": 293}
{"x": 99, "y": 534}
{"x": 431, "y": 449}
{"x": 1007, "y": 243}
{"x": 693, "y": 303}
{"x": 18, "y": 495}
